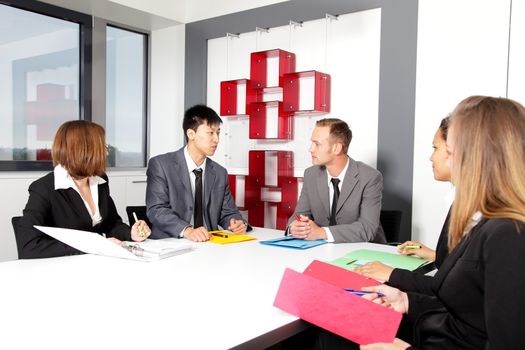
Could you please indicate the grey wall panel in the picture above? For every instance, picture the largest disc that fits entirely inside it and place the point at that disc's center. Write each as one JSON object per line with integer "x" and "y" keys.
{"x": 397, "y": 77}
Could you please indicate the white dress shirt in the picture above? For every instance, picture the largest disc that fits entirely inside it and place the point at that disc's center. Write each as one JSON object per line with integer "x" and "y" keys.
{"x": 64, "y": 181}
{"x": 341, "y": 177}
{"x": 192, "y": 166}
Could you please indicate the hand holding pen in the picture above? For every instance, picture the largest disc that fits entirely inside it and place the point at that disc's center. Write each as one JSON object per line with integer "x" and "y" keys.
{"x": 417, "y": 249}
{"x": 140, "y": 230}
{"x": 391, "y": 297}
{"x": 300, "y": 227}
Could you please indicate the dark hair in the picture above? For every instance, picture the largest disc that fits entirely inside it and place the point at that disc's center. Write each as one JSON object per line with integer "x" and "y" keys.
{"x": 80, "y": 147}
{"x": 197, "y": 115}
{"x": 443, "y": 127}
{"x": 338, "y": 130}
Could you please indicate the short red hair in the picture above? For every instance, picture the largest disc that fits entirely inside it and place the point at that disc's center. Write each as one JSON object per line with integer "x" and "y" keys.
{"x": 80, "y": 147}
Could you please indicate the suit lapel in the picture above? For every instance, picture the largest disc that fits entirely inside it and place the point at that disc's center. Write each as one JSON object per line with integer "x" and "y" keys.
{"x": 182, "y": 173}
{"x": 77, "y": 205}
{"x": 349, "y": 183}
{"x": 322, "y": 188}
{"x": 450, "y": 261}
{"x": 209, "y": 182}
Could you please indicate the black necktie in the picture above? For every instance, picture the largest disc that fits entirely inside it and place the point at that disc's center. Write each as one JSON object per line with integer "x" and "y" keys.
{"x": 197, "y": 211}
{"x": 335, "y": 183}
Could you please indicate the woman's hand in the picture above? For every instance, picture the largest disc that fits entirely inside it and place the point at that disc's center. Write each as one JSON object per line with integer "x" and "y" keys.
{"x": 376, "y": 270}
{"x": 140, "y": 231}
{"x": 417, "y": 249}
{"x": 393, "y": 298}
{"x": 397, "y": 344}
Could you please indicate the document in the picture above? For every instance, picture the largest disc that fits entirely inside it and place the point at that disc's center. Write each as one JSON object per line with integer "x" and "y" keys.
{"x": 329, "y": 306}
{"x": 93, "y": 243}
{"x": 294, "y": 243}
{"x": 363, "y": 256}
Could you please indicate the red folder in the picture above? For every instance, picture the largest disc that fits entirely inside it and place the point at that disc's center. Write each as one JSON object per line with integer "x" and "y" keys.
{"x": 325, "y": 304}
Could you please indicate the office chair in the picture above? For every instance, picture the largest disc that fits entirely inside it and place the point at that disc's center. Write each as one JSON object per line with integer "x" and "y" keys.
{"x": 140, "y": 210}
{"x": 14, "y": 222}
{"x": 391, "y": 222}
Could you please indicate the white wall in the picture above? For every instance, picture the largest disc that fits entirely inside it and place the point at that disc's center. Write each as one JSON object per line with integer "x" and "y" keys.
{"x": 517, "y": 52}
{"x": 348, "y": 49}
{"x": 462, "y": 51}
{"x": 167, "y": 90}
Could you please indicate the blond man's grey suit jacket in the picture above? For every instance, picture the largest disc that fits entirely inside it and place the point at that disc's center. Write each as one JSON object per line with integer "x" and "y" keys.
{"x": 358, "y": 207}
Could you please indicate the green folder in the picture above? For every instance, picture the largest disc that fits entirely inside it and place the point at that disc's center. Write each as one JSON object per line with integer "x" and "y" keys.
{"x": 360, "y": 257}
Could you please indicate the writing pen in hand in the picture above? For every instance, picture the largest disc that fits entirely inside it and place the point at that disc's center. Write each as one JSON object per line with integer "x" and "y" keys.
{"x": 362, "y": 292}
{"x": 141, "y": 231}
{"x": 412, "y": 247}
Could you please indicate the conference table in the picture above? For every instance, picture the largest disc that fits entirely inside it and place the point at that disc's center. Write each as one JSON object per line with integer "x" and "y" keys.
{"x": 213, "y": 297}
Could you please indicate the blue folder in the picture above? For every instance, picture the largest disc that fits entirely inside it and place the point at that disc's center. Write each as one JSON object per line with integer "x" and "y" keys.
{"x": 294, "y": 243}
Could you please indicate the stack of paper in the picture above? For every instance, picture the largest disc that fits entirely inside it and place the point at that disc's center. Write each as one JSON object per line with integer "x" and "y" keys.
{"x": 363, "y": 256}
{"x": 93, "y": 243}
{"x": 317, "y": 296}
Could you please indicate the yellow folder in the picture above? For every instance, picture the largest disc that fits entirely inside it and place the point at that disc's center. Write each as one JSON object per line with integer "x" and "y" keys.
{"x": 230, "y": 238}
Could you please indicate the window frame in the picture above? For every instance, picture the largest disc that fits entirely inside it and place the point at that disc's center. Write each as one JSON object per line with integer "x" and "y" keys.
{"x": 85, "y": 69}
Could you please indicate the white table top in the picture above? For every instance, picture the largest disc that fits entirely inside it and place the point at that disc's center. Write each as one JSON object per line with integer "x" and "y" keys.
{"x": 215, "y": 297}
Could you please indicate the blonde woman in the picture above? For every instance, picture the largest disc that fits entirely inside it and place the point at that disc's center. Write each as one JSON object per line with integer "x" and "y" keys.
{"x": 478, "y": 301}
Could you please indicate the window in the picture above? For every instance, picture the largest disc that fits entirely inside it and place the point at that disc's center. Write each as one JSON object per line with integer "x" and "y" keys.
{"x": 46, "y": 79}
{"x": 126, "y": 97}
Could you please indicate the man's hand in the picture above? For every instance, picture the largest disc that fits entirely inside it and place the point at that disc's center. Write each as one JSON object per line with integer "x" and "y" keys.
{"x": 237, "y": 226}
{"x": 304, "y": 228}
{"x": 199, "y": 234}
{"x": 300, "y": 227}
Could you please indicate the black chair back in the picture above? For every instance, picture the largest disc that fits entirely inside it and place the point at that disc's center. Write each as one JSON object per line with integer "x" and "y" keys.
{"x": 391, "y": 222}
{"x": 14, "y": 222}
{"x": 140, "y": 211}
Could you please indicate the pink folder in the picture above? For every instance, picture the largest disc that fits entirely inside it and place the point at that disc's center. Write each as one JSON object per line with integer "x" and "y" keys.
{"x": 339, "y": 277}
{"x": 330, "y": 307}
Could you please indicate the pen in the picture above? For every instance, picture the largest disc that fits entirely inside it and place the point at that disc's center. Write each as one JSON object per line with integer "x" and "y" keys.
{"x": 362, "y": 292}
{"x": 141, "y": 231}
{"x": 219, "y": 235}
{"x": 297, "y": 217}
{"x": 413, "y": 247}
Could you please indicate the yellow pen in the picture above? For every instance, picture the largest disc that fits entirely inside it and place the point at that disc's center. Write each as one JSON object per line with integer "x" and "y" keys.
{"x": 141, "y": 231}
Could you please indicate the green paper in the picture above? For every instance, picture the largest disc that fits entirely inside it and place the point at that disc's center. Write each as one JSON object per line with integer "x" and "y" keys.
{"x": 360, "y": 257}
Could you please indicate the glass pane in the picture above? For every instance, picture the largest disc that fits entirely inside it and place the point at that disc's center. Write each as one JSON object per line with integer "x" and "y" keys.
{"x": 39, "y": 84}
{"x": 125, "y": 97}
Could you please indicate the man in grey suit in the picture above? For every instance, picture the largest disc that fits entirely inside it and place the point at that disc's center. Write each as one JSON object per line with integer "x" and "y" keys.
{"x": 341, "y": 198}
{"x": 187, "y": 193}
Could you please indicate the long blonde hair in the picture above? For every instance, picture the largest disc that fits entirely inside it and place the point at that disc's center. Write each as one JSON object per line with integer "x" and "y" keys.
{"x": 488, "y": 162}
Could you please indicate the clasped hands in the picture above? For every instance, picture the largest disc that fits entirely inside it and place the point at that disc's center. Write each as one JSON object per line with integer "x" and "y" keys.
{"x": 305, "y": 228}
{"x": 201, "y": 234}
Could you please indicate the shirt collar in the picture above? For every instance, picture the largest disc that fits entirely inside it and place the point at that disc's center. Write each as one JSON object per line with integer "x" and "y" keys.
{"x": 191, "y": 164}
{"x": 341, "y": 175}
{"x": 64, "y": 181}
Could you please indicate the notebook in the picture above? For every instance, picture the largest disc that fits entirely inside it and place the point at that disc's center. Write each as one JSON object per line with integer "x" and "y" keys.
{"x": 93, "y": 243}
